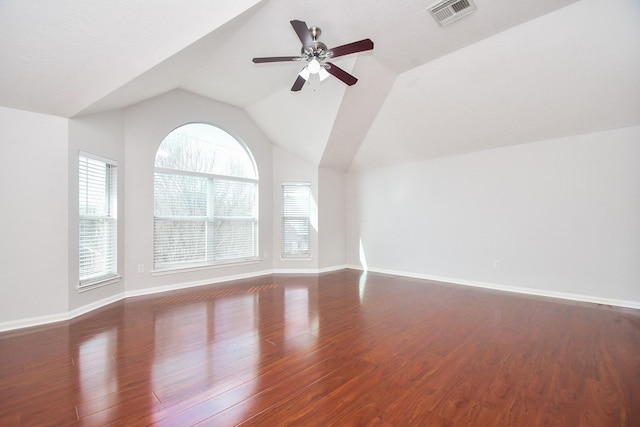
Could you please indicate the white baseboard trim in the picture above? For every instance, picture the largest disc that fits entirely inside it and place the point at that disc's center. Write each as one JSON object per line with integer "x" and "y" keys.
{"x": 95, "y": 305}
{"x": 60, "y": 317}
{"x": 507, "y": 288}
{"x": 186, "y": 285}
{"x": 33, "y": 321}
{"x": 308, "y": 270}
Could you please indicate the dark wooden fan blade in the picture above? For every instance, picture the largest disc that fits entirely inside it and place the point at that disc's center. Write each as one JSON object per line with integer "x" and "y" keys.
{"x": 346, "y": 49}
{"x": 297, "y": 85}
{"x": 276, "y": 59}
{"x": 303, "y": 33}
{"x": 341, "y": 74}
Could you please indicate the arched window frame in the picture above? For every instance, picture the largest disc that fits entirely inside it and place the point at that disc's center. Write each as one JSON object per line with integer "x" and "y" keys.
{"x": 205, "y": 213}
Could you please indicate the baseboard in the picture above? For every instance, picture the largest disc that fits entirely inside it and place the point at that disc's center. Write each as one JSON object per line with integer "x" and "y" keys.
{"x": 309, "y": 270}
{"x": 507, "y": 288}
{"x": 60, "y": 317}
{"x": 186, "y": 285}
{"x": 95, "y": 305}
{"x": 54, "y": 318}
{"x": 33, "y": 321}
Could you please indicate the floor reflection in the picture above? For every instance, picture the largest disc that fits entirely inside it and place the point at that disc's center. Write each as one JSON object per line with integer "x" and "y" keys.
{"x": 301, "y": 317}
{"x": 97, "y": 373}
{"x": 205, "y": 349}
{"x": 181, "y": 357}
{"x": 362, "y": 286}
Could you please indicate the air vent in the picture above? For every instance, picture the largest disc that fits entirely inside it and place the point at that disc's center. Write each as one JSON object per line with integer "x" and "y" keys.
{"x": 445, "y": 12}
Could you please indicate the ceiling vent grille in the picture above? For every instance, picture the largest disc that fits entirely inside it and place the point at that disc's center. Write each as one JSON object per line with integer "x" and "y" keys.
{"x": 447, "y": 11}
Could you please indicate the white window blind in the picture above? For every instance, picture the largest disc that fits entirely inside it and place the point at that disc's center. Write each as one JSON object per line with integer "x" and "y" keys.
{"x": 206, "y": 200}
{"x": 235, "y": 219}
{"x": 98, "y": 228}
{"x": 296, "y": 199}
{"x": 204, "y": 219}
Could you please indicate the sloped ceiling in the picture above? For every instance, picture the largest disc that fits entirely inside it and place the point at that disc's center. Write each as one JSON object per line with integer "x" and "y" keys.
{"x": 571, "y": 72}
{"x": 60, "y": 57}
{"x": 511, "y": 72}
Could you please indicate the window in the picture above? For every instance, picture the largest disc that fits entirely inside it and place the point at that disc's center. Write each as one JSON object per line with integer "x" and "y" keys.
{"x": 98, "y": 227}
{"x": 205, "y": 199}
{"x": 296, "y": 199}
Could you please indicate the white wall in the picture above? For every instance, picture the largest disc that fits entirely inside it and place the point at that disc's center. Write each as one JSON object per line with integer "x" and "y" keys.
{"x": 103, "y": 135}
{"x": 561, "y": 216}
{"x": 34, "y": 211}
{"x": 331, "y": 218}
{"x": 146, "y": 125}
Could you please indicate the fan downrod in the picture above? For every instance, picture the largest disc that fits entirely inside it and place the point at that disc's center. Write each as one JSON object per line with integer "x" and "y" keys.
{"x": 315, "y": 33}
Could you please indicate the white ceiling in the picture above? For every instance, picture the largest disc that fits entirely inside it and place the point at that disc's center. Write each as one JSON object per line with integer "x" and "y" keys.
{"x": 511, "y": 72}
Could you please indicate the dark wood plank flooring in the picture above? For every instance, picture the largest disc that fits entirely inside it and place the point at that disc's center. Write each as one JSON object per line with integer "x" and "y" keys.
{"x": 335, "y": 349}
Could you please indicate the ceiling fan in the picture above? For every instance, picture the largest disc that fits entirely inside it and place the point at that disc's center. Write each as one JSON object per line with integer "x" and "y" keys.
{"x": 317, "y": 55}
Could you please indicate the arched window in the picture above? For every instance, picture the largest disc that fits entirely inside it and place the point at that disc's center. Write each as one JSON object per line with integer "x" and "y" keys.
{"x": 205, "y": 199}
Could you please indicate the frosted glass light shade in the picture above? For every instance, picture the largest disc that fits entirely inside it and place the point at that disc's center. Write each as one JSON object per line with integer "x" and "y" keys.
{"x": 314, "y": 66}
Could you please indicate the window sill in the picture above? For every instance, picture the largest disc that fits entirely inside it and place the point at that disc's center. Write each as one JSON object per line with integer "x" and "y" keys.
{"x": 84, "y": 287}
{"x": 188, "y": 269}
{"x": 298, "y": 258}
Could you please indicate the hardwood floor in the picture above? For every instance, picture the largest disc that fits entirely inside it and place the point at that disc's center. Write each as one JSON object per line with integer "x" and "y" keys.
{"x": 343, "y": 348}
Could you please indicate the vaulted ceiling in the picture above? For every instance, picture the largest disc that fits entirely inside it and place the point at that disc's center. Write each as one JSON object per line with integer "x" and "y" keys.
{"x": 510, "y": 72}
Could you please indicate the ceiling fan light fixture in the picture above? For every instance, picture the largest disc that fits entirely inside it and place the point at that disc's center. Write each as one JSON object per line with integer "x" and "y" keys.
{"x": 314, "y": 66}
{"x": 323, "y": 73}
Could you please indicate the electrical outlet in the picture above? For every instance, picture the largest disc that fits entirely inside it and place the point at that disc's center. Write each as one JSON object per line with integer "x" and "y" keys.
{"x": 496, "y": 264}
{"x": 140, "y": 268}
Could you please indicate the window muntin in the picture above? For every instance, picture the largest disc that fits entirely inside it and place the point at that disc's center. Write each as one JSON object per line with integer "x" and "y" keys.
{"x": 98, "y": 227}
{"x": 296, "y": 225}
{"x": 206, "y": 199}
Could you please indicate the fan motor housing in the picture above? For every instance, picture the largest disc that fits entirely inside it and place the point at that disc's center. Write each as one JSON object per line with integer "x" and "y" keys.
{"x": 319, "y": 49}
